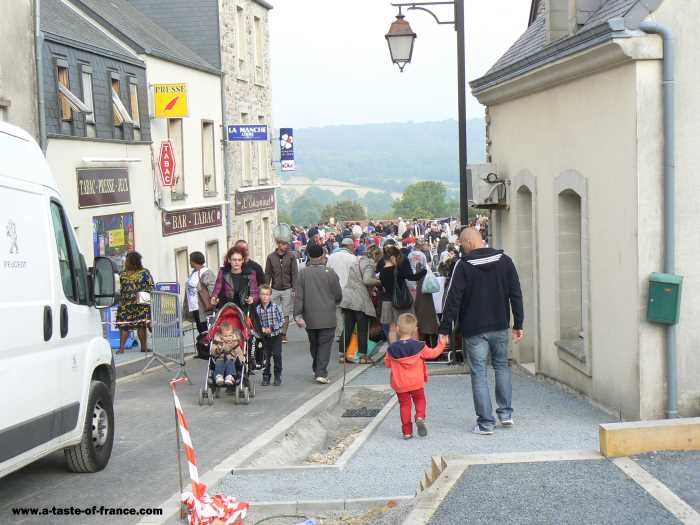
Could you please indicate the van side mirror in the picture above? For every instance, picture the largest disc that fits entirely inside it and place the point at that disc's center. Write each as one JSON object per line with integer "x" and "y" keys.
{"x": 103, "y": 285}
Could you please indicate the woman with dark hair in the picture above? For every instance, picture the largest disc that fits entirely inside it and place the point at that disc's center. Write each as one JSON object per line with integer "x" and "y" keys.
{"x": 396, "y": 266}
{"x": 235, "y": 284}
{"x": 133, "y": 312}
{"x": 198, "y": 290}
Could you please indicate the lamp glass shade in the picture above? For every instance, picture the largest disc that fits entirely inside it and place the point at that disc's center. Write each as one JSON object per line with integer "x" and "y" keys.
{"x": 400, "y": 39}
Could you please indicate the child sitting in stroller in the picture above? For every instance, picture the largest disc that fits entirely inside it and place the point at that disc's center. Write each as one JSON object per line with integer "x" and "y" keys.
{"x": 227, "y": 354}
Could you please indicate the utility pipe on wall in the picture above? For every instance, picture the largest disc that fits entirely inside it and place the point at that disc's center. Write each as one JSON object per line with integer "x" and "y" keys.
{"x": 669, "y": 183}
{"x": 39, "y": 53}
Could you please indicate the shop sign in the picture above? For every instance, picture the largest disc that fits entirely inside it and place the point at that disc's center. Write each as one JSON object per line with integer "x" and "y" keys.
{"x": 287, "y": 149}
{"x": 170, "y": 100}
{"x": 103, "y": 187}
{"x": 246, "y": 132}
{"x": 113, "y": 237}
{"x": 182, "y": 221}
{"x": 166, "y": 164}
{"x": 256, "y": 200}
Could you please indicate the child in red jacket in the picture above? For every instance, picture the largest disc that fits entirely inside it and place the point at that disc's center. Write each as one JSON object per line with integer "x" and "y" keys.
{"x": 406, "y": 359}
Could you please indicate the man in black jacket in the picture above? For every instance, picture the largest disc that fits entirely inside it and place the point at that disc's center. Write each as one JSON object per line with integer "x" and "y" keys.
{"x": 483, "y": 289}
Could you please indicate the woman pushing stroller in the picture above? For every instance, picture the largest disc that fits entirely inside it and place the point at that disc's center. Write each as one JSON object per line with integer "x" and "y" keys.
{"x": 235, "y": 284}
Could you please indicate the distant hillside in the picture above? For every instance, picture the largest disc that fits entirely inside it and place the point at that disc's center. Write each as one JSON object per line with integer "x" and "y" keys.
{"x": 386, "y": 156}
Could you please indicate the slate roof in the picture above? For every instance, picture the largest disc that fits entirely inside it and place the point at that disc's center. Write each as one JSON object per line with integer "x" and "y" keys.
{"x": 532, "y": 49}
{"x": 142, "y": 33}
{"x": 195, "y": 24}
{"x": 61, "y": 23}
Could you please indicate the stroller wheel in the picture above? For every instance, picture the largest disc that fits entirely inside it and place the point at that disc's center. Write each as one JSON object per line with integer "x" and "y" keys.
{"x": 201, "y": 397}
{"x": 210, "y": 396}
{"x": 246, "y": 395}
{"x": 252, "y": 388}
{"x": 237, "y": 395}
{"x": 217, "y": 393}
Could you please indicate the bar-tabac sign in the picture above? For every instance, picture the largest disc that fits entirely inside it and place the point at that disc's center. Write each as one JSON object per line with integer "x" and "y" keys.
{"x": 170, "y": 100}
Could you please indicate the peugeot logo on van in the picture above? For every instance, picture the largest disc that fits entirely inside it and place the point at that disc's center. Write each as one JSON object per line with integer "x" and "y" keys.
{"x": 11, "y": 231}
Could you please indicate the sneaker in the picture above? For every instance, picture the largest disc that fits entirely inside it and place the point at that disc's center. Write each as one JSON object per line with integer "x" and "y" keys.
{"x": 278, "y": 381}
{"x": 219, "y": 380}
{"x": 284, "y": 339}
{"x": 265, "y": 381}
{"x": 507, "y": 422}
{"x": 229, "y": 380}
{"x": 422, "y": 428}
{"x": 481, "y": 431}
{"x": 408, "y": 436}
{"x": 322, "y": 380}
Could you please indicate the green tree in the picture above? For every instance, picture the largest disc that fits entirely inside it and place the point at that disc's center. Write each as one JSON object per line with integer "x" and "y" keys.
{"x": 348, "y": 195}
{"x": 422, "y": 199}
{"x": 284, "y": 217}
{"x": 305, "y": 211}
{"x": 378, "y": 204}
{"x": 321, "y": 196}
{"x": 344, "y": 211}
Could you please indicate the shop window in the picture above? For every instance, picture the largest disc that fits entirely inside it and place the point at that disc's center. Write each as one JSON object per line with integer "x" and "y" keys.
{"x": 213, "y": 255}
{"x": 113, "y": 236}
{"x": 134, "y": 106}
{"x": 242, "y": 42}
{"x": 176, "y": 137}
{"x": 208, "y": 158}
{"x": 182, "y": 266}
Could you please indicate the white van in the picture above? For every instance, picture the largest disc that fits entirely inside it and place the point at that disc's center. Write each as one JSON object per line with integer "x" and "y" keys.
{"x": 57, "y": 375}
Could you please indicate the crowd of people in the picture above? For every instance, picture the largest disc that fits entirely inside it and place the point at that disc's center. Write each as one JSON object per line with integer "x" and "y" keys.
{"x": 401, "y": 281}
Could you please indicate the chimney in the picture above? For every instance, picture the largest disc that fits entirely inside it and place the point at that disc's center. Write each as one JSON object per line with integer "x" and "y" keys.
{"x": 565, "y": 17}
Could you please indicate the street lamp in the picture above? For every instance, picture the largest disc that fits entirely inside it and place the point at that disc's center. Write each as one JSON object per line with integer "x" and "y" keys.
{"x": 401, "y": 39}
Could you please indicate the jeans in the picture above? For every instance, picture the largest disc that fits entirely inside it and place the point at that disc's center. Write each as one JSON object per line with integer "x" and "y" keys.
{"x": 320, "y": 341}
{"x": 353, "y": 317}
{"x": 418, "y": 397}
{"x": 225, "y": 367}
{"x": 478, "y": 348}
{"x": 272, "y": 349}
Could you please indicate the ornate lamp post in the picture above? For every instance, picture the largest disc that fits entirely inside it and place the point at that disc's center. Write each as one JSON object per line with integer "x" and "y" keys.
{"x": 401, "y": 39}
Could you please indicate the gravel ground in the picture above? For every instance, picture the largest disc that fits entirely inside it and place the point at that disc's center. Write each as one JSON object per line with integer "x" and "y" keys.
{"x": 679, "y": 471}
{"x": 388, "y": 466}
{"x": 567, "y": 492}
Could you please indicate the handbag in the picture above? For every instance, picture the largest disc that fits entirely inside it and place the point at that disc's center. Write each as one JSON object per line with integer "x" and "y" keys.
{"x": 204, "y": 296}
{"x": 143, "y": 298}
{"x": 430, "y": 283}
{"x": 401, "y": 298}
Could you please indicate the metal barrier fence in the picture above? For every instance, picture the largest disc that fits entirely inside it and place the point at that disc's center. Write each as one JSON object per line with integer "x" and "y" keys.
{"x": 167, "y": 332}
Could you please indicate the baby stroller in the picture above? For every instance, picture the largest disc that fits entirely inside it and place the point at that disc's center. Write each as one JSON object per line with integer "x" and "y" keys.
{"x": 244, "y": 388}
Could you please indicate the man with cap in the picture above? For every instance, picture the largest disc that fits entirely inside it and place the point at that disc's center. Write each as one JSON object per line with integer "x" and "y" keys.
{"x": 281, "y": 273}
{"x": 341, "y": 262}
{"x": 317, "y": 295}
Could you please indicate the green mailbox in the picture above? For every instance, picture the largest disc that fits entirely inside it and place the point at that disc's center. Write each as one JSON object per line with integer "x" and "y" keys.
{"x": 664, "y": 298}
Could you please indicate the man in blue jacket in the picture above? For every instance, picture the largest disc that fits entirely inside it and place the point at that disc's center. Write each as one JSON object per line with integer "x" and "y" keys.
{"x": 483, "y": 289}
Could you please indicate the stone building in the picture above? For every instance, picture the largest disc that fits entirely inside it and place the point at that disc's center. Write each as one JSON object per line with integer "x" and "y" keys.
{"x": 576, "y": 129}
{"x": 18, "y": 85}
{"x": 233, "y": 36}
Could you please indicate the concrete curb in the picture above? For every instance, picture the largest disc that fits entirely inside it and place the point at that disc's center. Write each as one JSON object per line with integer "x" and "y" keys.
{"x": 428, "y": 501}
{"x": 638, "y": 437}
{"x": 171, "y": 506}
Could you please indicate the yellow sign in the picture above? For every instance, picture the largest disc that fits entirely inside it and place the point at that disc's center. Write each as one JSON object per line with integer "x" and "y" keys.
{"x": 116, "y": 237}
{"x": 170, "y": 100}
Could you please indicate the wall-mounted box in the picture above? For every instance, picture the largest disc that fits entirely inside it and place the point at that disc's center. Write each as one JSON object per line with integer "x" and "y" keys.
{"x": 664, "y": 298}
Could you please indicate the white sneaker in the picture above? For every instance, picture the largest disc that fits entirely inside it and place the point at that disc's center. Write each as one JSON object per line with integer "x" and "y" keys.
{"x": 507, "y": 422}
{"x": 322, "y": 380}
{"x": 229, "y": 380}
{"x": 481, "y": 431}
{"x": 219, "y": 380}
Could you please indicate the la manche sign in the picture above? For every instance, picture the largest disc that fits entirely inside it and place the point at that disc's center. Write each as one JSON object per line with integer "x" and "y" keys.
{"x": 244, "y": 132}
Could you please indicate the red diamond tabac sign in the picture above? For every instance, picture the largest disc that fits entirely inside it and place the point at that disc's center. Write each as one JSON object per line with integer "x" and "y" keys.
{"x": 166, "y": 164}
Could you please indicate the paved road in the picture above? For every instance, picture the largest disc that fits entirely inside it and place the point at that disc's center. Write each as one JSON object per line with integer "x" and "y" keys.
{"x": 143, "y": 468}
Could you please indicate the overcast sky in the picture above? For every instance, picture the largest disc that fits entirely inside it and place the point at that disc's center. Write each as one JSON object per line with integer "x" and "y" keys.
{"x": 331, "y": 63}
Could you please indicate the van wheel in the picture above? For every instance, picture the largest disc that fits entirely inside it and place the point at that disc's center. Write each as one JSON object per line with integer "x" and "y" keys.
{"x": 93, "y": 452}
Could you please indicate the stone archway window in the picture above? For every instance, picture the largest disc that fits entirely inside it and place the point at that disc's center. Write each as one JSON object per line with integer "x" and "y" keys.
{"x": 573, "y": 287}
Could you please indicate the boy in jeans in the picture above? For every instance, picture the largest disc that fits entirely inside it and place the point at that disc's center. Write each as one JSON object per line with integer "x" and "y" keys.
{"x": 271, "y": 324}
{"x": 406, "y": 359}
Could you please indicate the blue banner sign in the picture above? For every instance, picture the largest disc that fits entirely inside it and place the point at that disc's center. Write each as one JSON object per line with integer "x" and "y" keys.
{"x": 246, "y": 132}
{"x": 287, "y": 149}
